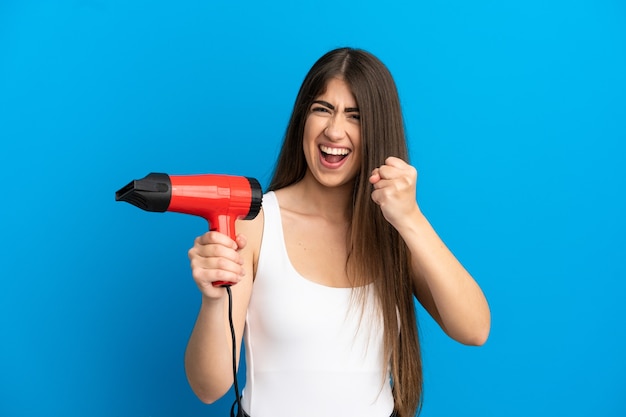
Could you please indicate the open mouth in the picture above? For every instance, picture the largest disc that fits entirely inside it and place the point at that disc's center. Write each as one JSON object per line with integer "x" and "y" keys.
{"x": 334, "y": 155}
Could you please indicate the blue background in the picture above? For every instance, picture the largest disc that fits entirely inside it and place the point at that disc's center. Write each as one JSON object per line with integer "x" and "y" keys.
{"x": 515, "y": 113}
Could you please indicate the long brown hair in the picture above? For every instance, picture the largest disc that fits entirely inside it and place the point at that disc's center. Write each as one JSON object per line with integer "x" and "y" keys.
{"x": 377, "y": 253}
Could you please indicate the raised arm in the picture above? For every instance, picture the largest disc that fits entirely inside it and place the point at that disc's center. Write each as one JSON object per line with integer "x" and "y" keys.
{"x": 442, "y": 285}
{"x": 216, "y": 257}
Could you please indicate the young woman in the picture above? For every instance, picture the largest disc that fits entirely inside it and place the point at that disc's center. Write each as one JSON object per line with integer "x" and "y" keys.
{"x": 326, "y": 275}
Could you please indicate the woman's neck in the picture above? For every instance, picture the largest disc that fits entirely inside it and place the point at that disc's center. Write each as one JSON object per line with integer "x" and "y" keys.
{"x": 310, "y": 197}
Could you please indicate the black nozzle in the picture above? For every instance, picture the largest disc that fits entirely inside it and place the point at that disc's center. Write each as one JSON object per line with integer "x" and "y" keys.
{"x": 152, "y": 193}
{"x": 256, "y": 200}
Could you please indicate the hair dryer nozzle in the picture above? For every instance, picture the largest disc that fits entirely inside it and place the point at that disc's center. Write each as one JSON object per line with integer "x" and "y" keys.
{"x": 152, "y": 193}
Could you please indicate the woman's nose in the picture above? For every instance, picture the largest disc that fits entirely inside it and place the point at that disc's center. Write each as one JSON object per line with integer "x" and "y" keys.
{"x": 335, "y": 130}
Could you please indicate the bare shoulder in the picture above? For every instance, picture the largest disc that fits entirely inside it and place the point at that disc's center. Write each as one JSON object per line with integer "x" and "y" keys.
{"x": 288, "y": 198}
{"x": 253, "y": 232}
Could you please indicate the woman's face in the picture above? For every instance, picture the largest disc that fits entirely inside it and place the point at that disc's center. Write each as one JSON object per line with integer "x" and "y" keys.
{"x": 332, "y": 136}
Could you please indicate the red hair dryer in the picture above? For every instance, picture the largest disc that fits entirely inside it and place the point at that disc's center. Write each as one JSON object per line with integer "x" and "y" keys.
{"x": 220, "y": 199}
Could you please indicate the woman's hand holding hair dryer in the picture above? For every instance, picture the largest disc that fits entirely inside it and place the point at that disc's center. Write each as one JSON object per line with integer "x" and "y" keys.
{"x": 214, "y": 257}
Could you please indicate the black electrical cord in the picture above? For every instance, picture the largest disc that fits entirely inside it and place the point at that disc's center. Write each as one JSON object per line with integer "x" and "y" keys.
{"x": 234, "y": 343}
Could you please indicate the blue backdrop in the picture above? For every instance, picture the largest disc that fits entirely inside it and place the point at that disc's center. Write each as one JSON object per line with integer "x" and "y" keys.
{"x": 515, "y": 113}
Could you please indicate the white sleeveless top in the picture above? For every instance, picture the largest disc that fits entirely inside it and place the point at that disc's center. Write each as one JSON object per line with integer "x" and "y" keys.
{"x": 309, "y": 351}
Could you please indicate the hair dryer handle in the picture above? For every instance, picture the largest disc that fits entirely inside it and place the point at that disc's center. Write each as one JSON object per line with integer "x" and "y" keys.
{"x": 226, "y": 225}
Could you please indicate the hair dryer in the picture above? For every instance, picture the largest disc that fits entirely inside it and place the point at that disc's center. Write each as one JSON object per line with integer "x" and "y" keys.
{"x": 220, "y": 199}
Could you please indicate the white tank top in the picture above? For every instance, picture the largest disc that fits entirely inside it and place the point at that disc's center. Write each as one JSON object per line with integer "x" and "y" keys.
{"x": 309, "y": 351}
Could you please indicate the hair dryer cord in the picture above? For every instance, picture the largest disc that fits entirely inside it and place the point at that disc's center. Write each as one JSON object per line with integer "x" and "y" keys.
{"x": 234, "y": 344}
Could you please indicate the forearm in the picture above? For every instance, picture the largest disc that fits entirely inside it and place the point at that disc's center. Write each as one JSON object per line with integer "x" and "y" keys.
{"x": 208, "y": 358}
{"x": 443, "y": 285}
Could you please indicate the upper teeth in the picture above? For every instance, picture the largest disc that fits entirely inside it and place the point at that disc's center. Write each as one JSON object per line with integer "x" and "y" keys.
{"x": 334, "y": 151}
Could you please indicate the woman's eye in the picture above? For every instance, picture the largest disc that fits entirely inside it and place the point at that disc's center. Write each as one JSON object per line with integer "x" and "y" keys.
{"x": 355, "y": 116}
{"x": 320, "y": 109}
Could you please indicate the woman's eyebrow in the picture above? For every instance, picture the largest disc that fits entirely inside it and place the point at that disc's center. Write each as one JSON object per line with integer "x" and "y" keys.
{"x": 330, "y": 106}
{"x": 325, "y": 104}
